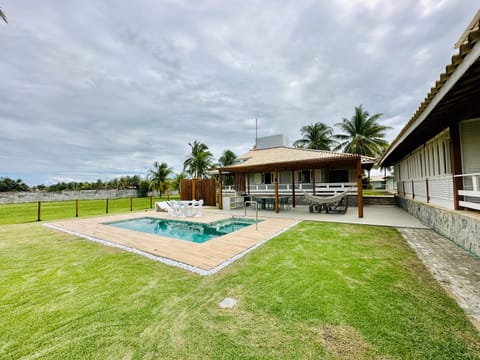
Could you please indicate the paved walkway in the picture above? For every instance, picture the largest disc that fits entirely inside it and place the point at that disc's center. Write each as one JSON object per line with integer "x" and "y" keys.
{"x": 457, "y": 271}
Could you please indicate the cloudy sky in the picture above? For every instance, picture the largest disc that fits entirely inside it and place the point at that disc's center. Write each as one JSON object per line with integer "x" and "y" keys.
{"x": 101, "y": 89}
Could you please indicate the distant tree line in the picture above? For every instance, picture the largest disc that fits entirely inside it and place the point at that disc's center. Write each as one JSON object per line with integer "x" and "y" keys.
{"x": 7, "y": 184}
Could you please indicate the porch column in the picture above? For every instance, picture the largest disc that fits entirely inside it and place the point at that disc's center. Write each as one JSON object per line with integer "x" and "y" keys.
{"x": 293, "y": 188}
{"x": 248, "y": 183}
{"x": 220, "y": 197}
{"x": 313, "y": 181}
{"x": 359, "y": 188}
{"x": 456, "y": 164}
{"x": 276, "y": 189}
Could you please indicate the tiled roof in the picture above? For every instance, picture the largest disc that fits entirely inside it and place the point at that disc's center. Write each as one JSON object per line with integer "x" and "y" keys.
{"x": 285, "y": 155}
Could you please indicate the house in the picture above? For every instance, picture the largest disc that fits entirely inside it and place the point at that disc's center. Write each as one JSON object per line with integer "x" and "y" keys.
{"x": 436, "y": 156}
{"x": 274, "y": 169}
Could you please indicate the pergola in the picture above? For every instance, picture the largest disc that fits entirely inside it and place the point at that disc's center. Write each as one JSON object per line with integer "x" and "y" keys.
{"x": 308, "y": 160}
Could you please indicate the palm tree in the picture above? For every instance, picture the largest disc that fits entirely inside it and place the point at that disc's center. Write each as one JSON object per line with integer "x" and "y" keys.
{"x": 362, "y": 134}
{"x": 158, "y": 177}
{"x": 315, "y": 136}
{"x": 228, "y": 158}
{"x": 3, "y": 16}
{"x": 200, "y": 160}
{"x": 177, "y": 180}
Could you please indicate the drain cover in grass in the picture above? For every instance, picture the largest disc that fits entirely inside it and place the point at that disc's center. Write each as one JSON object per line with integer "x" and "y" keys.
{"x": 228, "y": 303}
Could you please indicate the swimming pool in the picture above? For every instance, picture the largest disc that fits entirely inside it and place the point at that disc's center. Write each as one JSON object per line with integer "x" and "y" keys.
{"x": 183, "y": 230}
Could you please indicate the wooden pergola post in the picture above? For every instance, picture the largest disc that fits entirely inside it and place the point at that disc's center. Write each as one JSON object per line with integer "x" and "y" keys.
{"x": 276, "y": 190}
{"x": 293, "y": 188}
{"x": 456, "y": 164}
{"x": 313, "y": 181}
{"x": 359, "y": 188}
{"x": 220, "y": 195}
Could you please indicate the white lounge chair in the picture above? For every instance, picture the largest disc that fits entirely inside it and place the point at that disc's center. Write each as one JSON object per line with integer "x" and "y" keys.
{"x": 331, "y": 204}
{"x": 163, "y": 206}
{"x": 178, "y": 208}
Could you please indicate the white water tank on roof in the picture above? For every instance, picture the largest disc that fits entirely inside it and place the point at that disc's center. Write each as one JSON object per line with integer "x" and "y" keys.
{"x": 267, "y": 142}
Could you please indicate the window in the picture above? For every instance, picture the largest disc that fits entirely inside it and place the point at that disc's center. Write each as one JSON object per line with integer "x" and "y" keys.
{"x": 267, "y": 178}
{"x": 304, "y": 177}
{"x": 338, "y": 176}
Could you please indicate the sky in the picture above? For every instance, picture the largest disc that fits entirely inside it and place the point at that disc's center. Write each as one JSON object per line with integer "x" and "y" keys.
{"x": 102, "y": 89}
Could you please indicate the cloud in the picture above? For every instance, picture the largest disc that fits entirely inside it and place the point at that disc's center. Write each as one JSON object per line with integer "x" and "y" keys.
{"x": 102, "y": 89}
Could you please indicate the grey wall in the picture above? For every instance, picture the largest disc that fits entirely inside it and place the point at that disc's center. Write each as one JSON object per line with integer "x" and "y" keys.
{"x": 23, "y": 197}
{"x": 462, "y": 229}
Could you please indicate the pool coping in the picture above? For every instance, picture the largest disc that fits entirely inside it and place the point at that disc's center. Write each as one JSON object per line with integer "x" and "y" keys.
{"x": 201, "y": 258}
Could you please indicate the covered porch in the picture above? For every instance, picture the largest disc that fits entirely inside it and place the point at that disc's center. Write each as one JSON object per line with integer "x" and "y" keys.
{"x": 280, "y": 178}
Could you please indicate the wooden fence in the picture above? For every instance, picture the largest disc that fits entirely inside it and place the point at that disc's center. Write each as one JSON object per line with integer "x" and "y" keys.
{"x": 197, "y": 189}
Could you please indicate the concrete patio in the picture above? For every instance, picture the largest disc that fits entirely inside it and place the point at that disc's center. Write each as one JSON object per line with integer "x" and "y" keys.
{"x": 373, "y": 215}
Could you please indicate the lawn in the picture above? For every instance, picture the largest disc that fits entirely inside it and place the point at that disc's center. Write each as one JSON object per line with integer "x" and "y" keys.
{"x": 319, "y": 290}
{"x": 28, "y": 212}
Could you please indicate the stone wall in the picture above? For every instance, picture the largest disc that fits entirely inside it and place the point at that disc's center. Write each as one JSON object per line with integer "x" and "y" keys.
{"x": 462, "y": 229}
{"x": 24, "y": 197}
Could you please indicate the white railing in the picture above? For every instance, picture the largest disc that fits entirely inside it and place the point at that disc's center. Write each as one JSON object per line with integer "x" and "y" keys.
{"x": 436, "y": 190}
{"x": 471, "y": 191}
{"x": 287, "y": 189}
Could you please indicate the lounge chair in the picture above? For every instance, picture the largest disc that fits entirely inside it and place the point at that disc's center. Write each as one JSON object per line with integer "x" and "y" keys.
{"x": 332, "y": 204}
{"x": 178, "y": 208}
{"x": 163, "y": 206}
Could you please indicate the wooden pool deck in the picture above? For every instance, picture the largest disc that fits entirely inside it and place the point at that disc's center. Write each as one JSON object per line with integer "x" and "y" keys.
{"x": 207, "y": 257}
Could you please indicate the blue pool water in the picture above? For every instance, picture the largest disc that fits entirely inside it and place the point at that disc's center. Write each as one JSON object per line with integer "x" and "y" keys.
{"x": 183, "y": 230}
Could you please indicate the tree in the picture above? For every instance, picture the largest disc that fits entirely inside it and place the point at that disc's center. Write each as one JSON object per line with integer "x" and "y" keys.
{"x": 7, "y": 184}
{"x": 158, "y": 177}
{"x": 362, "y": 134}
{"x": 3, "y": 16}
{"x": 315, "y": 136}
{"x": 199, "y": 161}
{"x": 228, "y": 158}
{"x": 177, "y": 180}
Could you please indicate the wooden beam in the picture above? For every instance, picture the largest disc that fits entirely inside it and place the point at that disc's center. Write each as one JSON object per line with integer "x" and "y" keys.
{"x": 359, "y": 188}
{"x": 313, "y": 181}
{"x": 293, "y": 188}
{"x": 276, "y": 190}
{"x": 193, "y": 189}
{"x": 456, "y": 164}
{"x": 220, "y": 195}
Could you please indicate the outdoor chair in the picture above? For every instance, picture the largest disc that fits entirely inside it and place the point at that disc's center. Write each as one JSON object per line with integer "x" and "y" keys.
{"x": 178, "y": 209}
{"x": 336, "y": 204}
{"x": 163, "y": 206}
{"x": 197, "y": 208}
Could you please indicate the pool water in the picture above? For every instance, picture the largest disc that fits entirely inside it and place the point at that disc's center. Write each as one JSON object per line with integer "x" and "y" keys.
{"x": 183, "y": 230}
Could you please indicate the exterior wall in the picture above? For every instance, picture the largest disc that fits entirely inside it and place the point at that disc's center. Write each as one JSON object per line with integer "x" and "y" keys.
{"x": 425, "y": 174}
{"x": 454, "y": 225}
{"x": 24, "y": 197}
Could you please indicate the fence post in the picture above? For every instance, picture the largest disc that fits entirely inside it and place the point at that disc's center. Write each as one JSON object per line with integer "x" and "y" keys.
{"x": 76, "y": 207}
{"x": 151, "y": 202}
{"x": 106, "y": 206}
{"x": 38, "y": 210}
{"x": 131, "y": 203}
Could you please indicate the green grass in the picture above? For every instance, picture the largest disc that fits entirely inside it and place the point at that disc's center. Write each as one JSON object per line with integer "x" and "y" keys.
{"x": 376, "y": 192}
{"x": 28, "y": 212}
{"x": 317, "y": 291}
